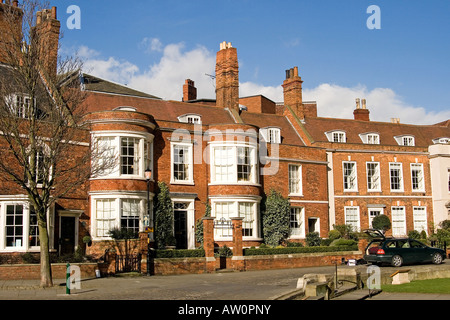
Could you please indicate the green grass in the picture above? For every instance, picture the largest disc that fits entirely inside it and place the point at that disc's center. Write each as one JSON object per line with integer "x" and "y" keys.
{"x": 421, "y": 286}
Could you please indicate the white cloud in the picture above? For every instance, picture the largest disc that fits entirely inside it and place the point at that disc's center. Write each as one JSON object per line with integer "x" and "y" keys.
{"x": 151, "y": 44}
{"x": 166, "y": 77}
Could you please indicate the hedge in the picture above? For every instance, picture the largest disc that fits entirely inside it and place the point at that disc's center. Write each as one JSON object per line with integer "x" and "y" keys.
{"x": 293, "y": 250}
{"x": 180, "y": 253}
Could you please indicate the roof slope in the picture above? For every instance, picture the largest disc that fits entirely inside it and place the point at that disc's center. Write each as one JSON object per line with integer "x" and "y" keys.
{"x": 423, "y": 134}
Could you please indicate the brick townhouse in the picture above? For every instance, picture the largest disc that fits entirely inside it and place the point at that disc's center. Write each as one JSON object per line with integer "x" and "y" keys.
{"x": 229, "y": 152}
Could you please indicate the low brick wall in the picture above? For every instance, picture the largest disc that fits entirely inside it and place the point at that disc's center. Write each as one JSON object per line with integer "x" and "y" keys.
{"x": 32, "y": 271}
{"x": 165, "y": 266}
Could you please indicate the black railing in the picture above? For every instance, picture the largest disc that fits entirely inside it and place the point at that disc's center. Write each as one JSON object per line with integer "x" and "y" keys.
{"x": 128, "y": 263}
{"x": 439, "y": 244}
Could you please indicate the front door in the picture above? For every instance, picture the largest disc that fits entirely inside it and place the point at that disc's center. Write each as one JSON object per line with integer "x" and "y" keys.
{"x": 180, "y": 224}
{"x": 67, "y": 239}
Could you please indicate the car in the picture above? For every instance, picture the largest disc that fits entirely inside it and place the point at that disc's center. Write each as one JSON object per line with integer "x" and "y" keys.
{"x": 399, "y": 251}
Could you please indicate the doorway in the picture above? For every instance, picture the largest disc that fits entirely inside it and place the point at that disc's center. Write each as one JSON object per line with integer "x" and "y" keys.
{"x": 180, "y": 224}
{"x": 67, "y": 237}
{"x": 68, "y": 231}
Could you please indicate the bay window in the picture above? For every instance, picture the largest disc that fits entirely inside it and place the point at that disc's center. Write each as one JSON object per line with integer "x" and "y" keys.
{"x": 223, "y": 210}
{"x": 123, "y": 211}
{"x": 122, "y": 154}
{"x": 234, "y": 164}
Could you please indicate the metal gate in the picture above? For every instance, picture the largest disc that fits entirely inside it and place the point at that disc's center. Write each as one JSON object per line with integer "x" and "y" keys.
{"x": 128, "y": 263}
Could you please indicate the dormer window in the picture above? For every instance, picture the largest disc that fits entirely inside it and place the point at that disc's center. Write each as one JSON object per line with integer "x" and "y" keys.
{"x": 370, "y": 138}
{"x": 405, "y": 140}
{"x": 190, "y": 118}
{"x": 271, "y": 135}
{"x": 336, "y": 136}
{"x": 22, "y": 106}
{"x": 443, "y": 140}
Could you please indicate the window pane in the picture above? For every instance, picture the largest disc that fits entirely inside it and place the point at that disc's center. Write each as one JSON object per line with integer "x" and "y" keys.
{"x": 398, "y": 221}
{"x": 223, "y": 163}
{"x": 130, "y": 214}
{"x": 34, "y": 229}
{"x": 349, "y": 176}
{"x": 129, "y": 157}
{"x": 181, "y": 163}
{"x": 396, "y": 176}
{"x": 243, "y": 161}
{"x": 14, "y": 226}
{"x": 373, "y": 176}
{"x": 105, "y": 216}
{"x": 246, "y": 210}
{"x": 352, "y": 217}
{"x": 222, "y": 223}
{"x": 296, "y": 222}
{"x": 295, "y": 179}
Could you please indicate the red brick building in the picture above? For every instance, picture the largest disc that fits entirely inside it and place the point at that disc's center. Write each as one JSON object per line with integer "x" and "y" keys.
{"x": 230, "y": 152}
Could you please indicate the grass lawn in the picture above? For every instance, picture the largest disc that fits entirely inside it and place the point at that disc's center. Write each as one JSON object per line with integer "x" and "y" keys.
{"x": 421, "y": 286}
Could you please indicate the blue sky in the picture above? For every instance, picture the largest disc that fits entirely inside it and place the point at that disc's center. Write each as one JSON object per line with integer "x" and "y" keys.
{"x": 402, "y": 69}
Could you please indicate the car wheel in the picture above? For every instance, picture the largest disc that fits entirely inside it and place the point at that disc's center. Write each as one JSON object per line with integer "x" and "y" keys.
{"x": 437, "y": 258}
{"x": 397, "y": 261}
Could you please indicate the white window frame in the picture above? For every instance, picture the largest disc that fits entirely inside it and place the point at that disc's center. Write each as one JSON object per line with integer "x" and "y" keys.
{"x": 352, "y": 179}
{"x": 25, "y": 243}
{"x": 337, "y": 136}
{"x": 356, "y": 224}
{"x": 406, "y": 140}
{"x": 232, "y": 165}
{"x": 144, "y": 156}
{"x": 442, "y": 140}
{"x": 190, "y": 163}
{"x": 369, "y": 209}
{"x": 117, "y": 198}
{"x": 370, "y": 138}
{"x": 376, "y": 176}
{"x": 295, "y": 183}
{"x": 299, "y": 219}
{"x": 271, "y": 134}
{"x": 398, "y": 221}
{"x": 421, "y": 183}
{"x": 233, "y": 205}
{"x": 399, "y": 166}
{"x": 420, "y": 218}
{"x": 190, "y": 118}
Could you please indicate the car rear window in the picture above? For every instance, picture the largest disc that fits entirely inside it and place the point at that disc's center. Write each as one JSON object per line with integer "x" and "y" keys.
{"x": 374, "y": 246}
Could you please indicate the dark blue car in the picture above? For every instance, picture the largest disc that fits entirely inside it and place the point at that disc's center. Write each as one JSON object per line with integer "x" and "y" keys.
{"x": 399, "y": 251}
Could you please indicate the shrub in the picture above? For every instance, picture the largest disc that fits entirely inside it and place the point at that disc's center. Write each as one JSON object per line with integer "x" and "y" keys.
{"x": 445, "y": 224}
{"x": 225, "y": 252}
{"x": 275, "y": 218}
{"x": 164, "y": 218}
{"x": 414, "y": 234}
{"x": 180, "y": 253}
{"x": 423, "y": 234}
{"x": 292, "y": 244}
{"x": 334, "y": 234}
{"x": 294, "y": 250}
{"x": 344, "y": 242}
{"x": 381, "y": 222}
{"x": 313, "y": 239}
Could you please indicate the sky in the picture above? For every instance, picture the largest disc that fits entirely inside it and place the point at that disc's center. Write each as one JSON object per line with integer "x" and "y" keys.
{"x": 401, "y": 68}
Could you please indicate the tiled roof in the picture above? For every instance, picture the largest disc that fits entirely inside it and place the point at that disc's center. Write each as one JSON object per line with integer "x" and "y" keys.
{"x": 423, "y": 134}
{"x": 92, "y": 83}
{"x": 263, "y": 120}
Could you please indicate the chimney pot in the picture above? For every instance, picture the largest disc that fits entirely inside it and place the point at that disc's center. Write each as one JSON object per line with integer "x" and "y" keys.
{"x": 358, "y": 103}
{"x": 364, "y": 104}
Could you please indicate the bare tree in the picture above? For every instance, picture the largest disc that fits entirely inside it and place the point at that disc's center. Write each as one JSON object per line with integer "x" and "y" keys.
{"x": 45, "y": 148}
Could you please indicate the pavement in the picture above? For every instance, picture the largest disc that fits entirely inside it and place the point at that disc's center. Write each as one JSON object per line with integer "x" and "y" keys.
{"x": 229, "y": 286}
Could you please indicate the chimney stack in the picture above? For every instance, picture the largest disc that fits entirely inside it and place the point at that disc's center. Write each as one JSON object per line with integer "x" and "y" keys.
{"x": 11, "y": 32}
{"x": 227, "y": 77}
{"x": 293, "y": 95}
{"x": 189, "y": 90}
{"x": 46, "y": 38}
{"x": 361, "y": 113}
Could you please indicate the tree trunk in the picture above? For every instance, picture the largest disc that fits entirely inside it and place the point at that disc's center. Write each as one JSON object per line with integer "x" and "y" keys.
{"x": 46, "y": 267}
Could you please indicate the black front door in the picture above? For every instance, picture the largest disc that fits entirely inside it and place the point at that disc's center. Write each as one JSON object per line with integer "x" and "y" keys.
{"x": 67, "y": 239}
{"x": 180, "y": 223}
